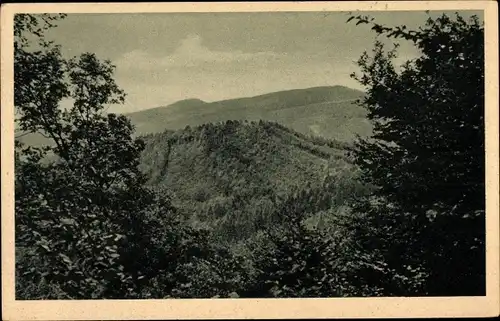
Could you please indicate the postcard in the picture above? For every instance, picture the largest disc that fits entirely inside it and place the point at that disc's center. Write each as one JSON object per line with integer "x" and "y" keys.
{"x": 250, "y": 160}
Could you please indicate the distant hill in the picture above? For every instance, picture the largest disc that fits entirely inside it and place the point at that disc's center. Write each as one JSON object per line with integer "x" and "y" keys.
{"x": 329, "y": 112}
{"x": 325, "y": 111}
{"x": 230, "y": 176}
{"x": 187, "y": 103}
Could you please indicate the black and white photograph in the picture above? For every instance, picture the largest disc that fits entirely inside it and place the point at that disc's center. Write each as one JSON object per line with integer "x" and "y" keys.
{"x": 243, "y": 155}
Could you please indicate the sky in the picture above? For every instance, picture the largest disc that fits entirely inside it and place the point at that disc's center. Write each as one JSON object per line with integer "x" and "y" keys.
{"x": 162, "y": 58}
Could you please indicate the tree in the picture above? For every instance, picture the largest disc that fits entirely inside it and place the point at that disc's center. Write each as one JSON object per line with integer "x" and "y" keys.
{"x": 425, "y": 222}
{"x": 293, "y": 260}
{"x": 72, "y": 211}
{"x": 76, "y": 209}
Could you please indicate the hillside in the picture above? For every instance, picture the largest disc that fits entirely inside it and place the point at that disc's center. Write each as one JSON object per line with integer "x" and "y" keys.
{"x": 232, "y": 176}
{"x": 325, "y": 111}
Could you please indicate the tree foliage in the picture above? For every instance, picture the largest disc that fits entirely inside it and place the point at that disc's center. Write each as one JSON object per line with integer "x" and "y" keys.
{"x": 86, "y": 223}
{"x": 73, "y": 211}
{"x": 425, "y": 220}
{"x": 293, "y": 260}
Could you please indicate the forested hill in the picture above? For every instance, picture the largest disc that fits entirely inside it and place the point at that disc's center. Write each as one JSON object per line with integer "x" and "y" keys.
{"x": 330, "y": 112}
{"x": 232, "y": 176}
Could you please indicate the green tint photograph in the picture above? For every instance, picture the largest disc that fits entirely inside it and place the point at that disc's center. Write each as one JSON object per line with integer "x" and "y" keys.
{"x": 249, "y": 155}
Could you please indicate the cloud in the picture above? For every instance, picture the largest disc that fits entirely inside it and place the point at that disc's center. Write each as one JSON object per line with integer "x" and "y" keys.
{"x": 190, "y": 53}
{"x": 192, "y": 70}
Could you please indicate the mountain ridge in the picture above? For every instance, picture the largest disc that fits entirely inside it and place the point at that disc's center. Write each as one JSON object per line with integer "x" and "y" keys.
{"x": 178, "y": 103}
{"x": 328, "y": 111}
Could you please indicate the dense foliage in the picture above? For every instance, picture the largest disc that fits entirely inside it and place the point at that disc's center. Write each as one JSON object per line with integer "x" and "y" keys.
{"x": 86, "y": 224}
{"x": 426, "y": 221}
{"x": 253, "y": 208}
